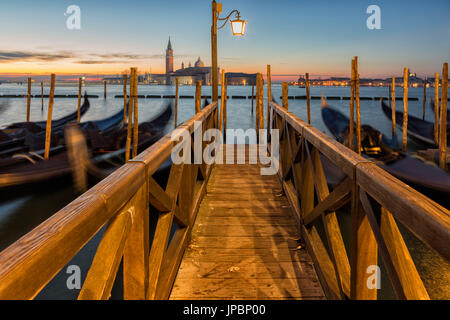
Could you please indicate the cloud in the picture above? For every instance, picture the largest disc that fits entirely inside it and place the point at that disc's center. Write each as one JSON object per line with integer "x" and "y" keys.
{"x": 99, "y": 61}
{"x": 14, "y": 56}
{"x": 80, "y": 58}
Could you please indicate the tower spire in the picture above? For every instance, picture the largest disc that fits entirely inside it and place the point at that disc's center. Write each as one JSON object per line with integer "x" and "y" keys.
{"x": 169, "y": 46}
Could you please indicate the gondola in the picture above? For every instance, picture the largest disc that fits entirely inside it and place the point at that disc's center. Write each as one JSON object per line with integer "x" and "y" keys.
{"x": 419, "y": 130}
{"x": 427, "y": 178}
{"x": 102, "y": 145}
{"x": 30, "y": 167}
{"x": 14, "y": 135}
{"x": 103, "y": 161}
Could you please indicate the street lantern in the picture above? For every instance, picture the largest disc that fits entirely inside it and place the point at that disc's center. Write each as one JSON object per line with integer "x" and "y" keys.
{"x": 238, "y": 26}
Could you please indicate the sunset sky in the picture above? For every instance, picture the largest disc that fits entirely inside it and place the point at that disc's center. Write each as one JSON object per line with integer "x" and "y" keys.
{"x": 319, "y": 37}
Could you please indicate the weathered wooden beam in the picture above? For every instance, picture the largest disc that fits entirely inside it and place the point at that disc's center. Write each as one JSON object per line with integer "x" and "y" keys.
{"x": 364, "y": 251}
{"x": 336, "y": 199}
{"x": 410, "y": 280}
{"x": 137, "y": 248}
{"x": 102, "y": 273}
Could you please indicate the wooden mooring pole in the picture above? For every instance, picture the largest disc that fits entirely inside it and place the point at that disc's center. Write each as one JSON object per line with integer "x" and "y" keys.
{"x": 80, "y": 83}
{"x": 393, "y": 108}
{"x": 358, "y": 110}
{"x": 308, "y": 98}
{"x": 125, "y": 107}
{"x": 253, "y": 94}
{"x": 285, "y": 89}
{"x": 48, "y": 130}
{"x": 28, "y": 99}
{"x": 424, "y": 98}
{"x": 225, "y": 112}
{"x": 405, "y": 108}
{"x": 198, "y": 97}
{"x": 390, "y": 95}
{"x": 436, "y": 109}
{"x": 136, "y": 114}
{"x": 130, "y": 117}
{"x": 222, "y": 101}
{"x": 42, "y": 95}
{"x": 176, "y": 102}
{"x": 104, "y": 89}
{"x": 443, "y": 126}
{"x": 269, "y": 99}
{"x": 351, "y": 142}
{"x": 260, "y": 102}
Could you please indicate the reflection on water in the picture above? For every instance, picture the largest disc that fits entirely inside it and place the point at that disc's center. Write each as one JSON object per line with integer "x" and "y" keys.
{"x": 21, "y": 211}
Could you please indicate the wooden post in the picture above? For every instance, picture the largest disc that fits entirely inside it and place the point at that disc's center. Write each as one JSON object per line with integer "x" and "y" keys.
{"x": 42, "y": 95}
{"x": 130, "y": 117}
{"x": 405, "y": 108}
{"x": 198, "y": 97}
{"x": 261, "y": 101}
{"x": 443, "y": 126}
{"x": 436, "y": 109}
{"x": 358, "y": 112}
{"x": 390, "y": 95}
{"x": 253, "y": 93}
{"x": 176, "y": 101}
{"x": 222, "y": 102}
{"x": 285, "y": 89}
{"x": 225, "y": 112}
{"x": 393, "y": 108}
{"x": 269, "y": 99}
{"x": 48, "y": 130}
{"x": 351, "y": 139}
{"x": 258, "y": 107}
{"x": 104, "y": 89}
{"x": 136, "y": 114}
{"x": 424, "y": 97}
{"x": 308, "y": 98}
{"x": 28, "y": 99}
{"x": 80, "y": 83}
{"x": 125, "y": 107}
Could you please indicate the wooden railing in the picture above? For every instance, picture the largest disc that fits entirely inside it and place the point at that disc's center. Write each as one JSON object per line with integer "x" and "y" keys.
{"x": 377, "y": 202}
{"x": 122, "y": 201}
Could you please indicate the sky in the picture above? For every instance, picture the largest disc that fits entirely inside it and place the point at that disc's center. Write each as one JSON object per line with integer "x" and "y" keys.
{"x": 294, "y": 37}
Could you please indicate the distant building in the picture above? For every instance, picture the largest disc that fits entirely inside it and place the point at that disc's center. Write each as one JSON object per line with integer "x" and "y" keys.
{"x": 169, "y": 58}
{"x": 240, "y": 79}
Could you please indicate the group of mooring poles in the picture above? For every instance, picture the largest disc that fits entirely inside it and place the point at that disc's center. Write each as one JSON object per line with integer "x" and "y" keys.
{"x": 440, "y": 111}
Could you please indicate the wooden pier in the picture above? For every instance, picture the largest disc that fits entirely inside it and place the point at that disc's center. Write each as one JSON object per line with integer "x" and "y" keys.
{"x": 244, "y": 244}
{"x": 227, "y": 232}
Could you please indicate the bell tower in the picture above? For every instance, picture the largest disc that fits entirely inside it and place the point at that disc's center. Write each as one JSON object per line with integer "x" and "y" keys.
{"x": 169, "y": 58}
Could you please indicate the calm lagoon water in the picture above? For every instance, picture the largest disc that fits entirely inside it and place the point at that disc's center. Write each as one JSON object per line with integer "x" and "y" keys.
{"x": 20, "y": 214}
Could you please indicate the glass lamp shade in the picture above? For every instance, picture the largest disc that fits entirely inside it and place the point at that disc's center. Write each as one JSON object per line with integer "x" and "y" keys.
{"x": 238, "y": 27}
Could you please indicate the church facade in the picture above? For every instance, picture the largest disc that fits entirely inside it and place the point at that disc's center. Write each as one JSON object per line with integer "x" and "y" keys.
{"x": 191, "y": 74}
{"x": 186, "y": 75}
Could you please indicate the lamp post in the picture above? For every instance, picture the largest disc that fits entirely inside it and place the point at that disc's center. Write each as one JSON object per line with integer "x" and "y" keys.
{"x": 237, "y": 28}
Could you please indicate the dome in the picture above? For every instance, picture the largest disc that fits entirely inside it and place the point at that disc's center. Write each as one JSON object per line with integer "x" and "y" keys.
{"x": 199, "y": 63}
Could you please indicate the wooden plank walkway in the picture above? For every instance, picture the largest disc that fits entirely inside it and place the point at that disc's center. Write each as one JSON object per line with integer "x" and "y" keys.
{"x": 243, "y": 243}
